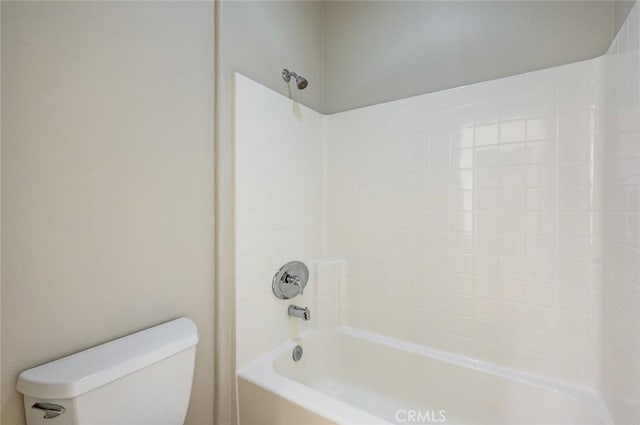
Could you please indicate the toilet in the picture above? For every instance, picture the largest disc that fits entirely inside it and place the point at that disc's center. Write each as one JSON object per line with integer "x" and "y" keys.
{"x": 140, "y": 379}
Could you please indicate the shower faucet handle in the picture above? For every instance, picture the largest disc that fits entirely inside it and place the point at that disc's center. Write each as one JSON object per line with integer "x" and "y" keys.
{"x": 290, "y": 280}
{"x": 295, "y": 281}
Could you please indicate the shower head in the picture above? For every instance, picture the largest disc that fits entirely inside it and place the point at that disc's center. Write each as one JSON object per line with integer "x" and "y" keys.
{"x": 301, "y": 82}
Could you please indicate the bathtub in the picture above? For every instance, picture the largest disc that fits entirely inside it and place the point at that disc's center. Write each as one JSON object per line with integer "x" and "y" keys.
{"x": 353, "y": 377}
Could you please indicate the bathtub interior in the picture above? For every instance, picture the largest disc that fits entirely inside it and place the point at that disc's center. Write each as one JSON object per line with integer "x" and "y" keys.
{"x": 390, "y": 382}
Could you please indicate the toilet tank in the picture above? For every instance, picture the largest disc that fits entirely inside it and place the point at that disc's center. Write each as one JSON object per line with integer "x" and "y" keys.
{"x": 140, "y": 379}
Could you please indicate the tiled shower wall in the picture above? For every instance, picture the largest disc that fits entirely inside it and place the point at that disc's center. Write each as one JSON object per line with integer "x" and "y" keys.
{"x": 621, "y": 287}
{"x": 279, "y": 173}
{"x": 467, "y": 219}
{"x": 470, "y": 219}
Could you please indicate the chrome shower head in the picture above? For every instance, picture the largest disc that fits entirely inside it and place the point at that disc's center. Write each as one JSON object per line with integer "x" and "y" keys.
{"x": 301, "y": 82}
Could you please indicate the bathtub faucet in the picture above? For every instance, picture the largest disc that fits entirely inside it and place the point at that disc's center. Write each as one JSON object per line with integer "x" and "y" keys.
{"x": 299, "y": 312}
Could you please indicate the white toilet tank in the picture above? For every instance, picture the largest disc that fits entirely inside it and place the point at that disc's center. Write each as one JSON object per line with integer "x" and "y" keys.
{"x": 141, "y": 379}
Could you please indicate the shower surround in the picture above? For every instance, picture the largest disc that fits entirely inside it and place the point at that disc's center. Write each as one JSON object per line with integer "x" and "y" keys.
{"x": 469, "y": 220}
{"x": 471, "y": 217}
{"x": 621, "y": 283}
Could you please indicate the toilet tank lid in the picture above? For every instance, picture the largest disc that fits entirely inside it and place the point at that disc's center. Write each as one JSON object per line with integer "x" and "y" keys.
{"x": 86, "y": 370}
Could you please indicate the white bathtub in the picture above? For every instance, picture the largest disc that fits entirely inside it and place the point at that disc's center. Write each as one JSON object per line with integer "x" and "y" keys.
{"x": 353, "y": 377}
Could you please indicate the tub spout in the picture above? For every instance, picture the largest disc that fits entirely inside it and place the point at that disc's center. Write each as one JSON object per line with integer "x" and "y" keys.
{"x": 299, "y": 312}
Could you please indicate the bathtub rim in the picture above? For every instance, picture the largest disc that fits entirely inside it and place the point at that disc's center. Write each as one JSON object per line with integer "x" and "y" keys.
{"x": 262, "y": 372}
{"x": 581, "y": 393}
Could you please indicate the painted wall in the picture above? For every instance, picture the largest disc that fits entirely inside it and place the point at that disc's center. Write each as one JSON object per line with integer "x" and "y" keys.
{"x": 621, "y": 10}
{"x": 107, "y": 180}
{"x": 381, "y": 51}
{"x": 471, "y": 218}
{"x": 621, "y": 301}
{"x": 258, "y": 39}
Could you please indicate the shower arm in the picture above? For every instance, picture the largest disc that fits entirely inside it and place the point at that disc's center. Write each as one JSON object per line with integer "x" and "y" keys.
{"x": 301, "y": 82}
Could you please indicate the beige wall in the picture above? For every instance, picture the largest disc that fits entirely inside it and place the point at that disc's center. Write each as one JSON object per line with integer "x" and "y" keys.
{"x": 621, "y": 10}
{"x": 107, "y": 180}
{"x": 381, "y": 51}
{"x": 257, "y": 39}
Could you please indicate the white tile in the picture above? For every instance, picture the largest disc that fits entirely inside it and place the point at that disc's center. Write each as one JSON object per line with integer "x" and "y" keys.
{"x": 487, "y": 156}
{"x": 513, "y": 107}
{"x": 575, "y": 174}
{"x": 486, "y": 200}
{"x": 486, "y": 178}
{"x": 542, "y": 82}
{"x": 462, "y": 158}
{"x": 541, "y": 127}
{"x": 541, "y": 151}
{"x": 462, "y": 137}
{"x": 513, "y": 131}
{"x": 480, "y": 213}
{"x": 439, "y": 160}
{"x": 486, "y": 309}
{"x": 513, "y": 177}
{"x": 513, "y": 154}
{"x": 487, "y": 134}
{"x": 576, "y": 149}
{"x": 270, "y": 232}
{"x": 512, "y": 198}
{"x": 512, "y": 290}
{"x": 541, "y": 175}
{"x": 439, "y": 140}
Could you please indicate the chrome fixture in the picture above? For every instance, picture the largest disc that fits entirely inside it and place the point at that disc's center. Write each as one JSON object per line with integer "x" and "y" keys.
{"x": 297, "y": 353}
{"x": 301, "y": 82}
{"x": 300, "y": 312}
{"x": 290, "y": 280}
{"x": 51, "y": 410}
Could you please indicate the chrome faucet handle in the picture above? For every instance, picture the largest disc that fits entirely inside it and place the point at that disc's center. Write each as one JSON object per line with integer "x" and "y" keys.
{"x": 290, "y": 280}
{"x": 297, "y": 282}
